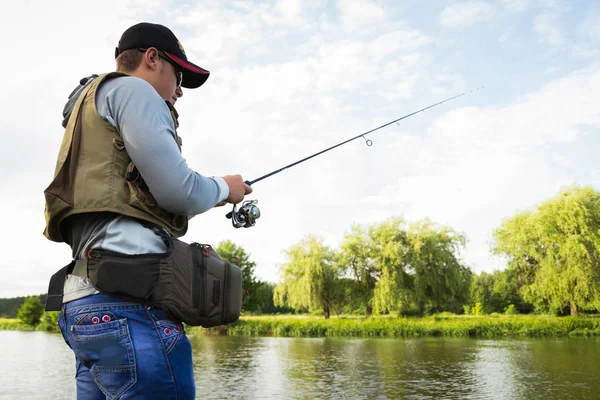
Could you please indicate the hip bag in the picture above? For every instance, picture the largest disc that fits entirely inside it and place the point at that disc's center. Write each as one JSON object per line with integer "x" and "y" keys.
{"x": 190, "y": 281}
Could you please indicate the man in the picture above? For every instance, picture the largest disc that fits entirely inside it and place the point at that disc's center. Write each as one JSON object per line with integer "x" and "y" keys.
{"x": 120, "y": 182}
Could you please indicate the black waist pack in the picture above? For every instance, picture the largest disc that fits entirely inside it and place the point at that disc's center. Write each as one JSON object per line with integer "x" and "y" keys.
{"x": 190, "y": 281}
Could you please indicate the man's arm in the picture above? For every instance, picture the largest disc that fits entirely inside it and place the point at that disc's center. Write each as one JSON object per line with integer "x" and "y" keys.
{"x": 143, "y": 119}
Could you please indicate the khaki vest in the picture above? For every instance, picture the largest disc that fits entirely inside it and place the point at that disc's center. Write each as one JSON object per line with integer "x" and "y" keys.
{"x": 95, "y": 174}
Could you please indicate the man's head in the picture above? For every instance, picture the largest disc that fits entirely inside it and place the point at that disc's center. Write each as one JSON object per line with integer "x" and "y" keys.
{"x": 153, "y": 53}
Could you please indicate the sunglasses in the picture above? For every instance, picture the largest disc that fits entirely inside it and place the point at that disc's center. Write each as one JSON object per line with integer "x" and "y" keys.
{"x": 178, "y": 71}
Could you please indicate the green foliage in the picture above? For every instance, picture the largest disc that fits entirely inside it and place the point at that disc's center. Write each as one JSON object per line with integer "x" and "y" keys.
{"x": 263, "y": 292}
{"x": 439, "y": 281}
{"x": 309, "y": 278}
{"x": 358, "y": 259}
{"x": 511, "y": 310}
{"x": 48, "y": 322}
{"x": 445, "y": 324}
{"x": 13, "y": 324}
{"x": 496, "y": 291}
{"x": 31, "y": 311}
{"x": 477, "y": 309}
{"x": 396, "y": 267}
{"x": 554, "y": 251}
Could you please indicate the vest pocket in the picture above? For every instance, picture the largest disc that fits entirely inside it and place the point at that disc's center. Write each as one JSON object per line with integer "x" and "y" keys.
{"x": 106, "y": 349}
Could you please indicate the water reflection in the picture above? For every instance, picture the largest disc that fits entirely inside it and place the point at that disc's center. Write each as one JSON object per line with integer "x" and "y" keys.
{"x": 36, "y": 365}
{"x": 396, "y": 368}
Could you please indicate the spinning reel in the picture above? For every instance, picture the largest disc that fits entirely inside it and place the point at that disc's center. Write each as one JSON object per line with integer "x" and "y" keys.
{"x": 246, "y": 216}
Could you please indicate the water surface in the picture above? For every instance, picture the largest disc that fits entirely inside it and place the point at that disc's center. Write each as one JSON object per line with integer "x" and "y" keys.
{"x": 38, "y": 365}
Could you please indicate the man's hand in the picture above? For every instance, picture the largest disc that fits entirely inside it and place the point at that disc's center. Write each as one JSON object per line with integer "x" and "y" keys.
{"x": 237, "y": 189}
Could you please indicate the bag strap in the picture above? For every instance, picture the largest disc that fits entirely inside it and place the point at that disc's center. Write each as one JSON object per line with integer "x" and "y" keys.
{"x": 56, "y": 287}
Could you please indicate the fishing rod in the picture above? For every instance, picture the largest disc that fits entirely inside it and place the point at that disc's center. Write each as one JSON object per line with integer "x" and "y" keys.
{"x": 248, "y": 213}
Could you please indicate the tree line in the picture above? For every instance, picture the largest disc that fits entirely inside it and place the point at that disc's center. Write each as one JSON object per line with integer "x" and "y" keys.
{"x": 552, "y": 253}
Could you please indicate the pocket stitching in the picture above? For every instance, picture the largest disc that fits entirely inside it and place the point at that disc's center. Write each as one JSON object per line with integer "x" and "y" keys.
{"x": 122, "y": 330}
{"x": 175, "y": 340}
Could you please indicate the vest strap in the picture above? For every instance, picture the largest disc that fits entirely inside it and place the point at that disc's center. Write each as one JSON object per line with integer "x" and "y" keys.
{"x": 56, "y": 288}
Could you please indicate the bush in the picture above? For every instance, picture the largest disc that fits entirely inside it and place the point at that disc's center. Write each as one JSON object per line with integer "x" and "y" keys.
{"x": 31, "y": 311}
{"x": 49, "y": 322}
{"x": 477, "y": 309}
{"x": 511, "y": 310}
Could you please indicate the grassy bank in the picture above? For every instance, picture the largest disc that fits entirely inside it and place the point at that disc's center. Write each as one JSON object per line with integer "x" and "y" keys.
{"x": 445, "y": 325}
{"x": 13, "y": 324}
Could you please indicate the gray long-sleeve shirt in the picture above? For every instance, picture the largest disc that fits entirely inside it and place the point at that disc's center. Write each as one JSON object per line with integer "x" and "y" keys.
{"x": 143, "y": 120}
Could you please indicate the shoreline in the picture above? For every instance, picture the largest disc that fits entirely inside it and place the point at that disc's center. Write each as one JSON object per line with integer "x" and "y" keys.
{"x": 432, "y": 326}
{"x": 497, "y": 326}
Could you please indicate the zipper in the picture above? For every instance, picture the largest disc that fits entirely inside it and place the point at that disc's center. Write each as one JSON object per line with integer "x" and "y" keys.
{"x": 226, "y": 294}
{"x": 195, "y": 278}
{"x": 200, "y": 279}
{"x": 96, "y": 254}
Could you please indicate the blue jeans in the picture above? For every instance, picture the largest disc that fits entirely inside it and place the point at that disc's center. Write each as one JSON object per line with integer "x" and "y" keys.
{"x": 126, "y": 350}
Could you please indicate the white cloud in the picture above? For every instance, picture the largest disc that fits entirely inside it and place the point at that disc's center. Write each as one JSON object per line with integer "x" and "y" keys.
{"x": 462, "y": 15}
{"x": 360, "y": 14}
{"x": 545, "y": 27}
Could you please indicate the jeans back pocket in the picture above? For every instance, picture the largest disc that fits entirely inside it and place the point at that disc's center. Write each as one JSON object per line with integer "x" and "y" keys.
{"x": 107, "y": 350}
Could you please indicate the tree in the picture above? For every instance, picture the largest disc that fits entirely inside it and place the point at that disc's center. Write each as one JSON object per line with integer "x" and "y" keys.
{"x": 388, "y": 249}
{"x": 439, "y": 281}
{"x": 395, "y": 265}
{"x": 264, "y": 299}
{"x": 309, "y": 278}
{"x": 496, "y": 291}
{"x": 31, "y": 311}
{"x": 373, "y": 256}
{"x": 554, "y": 251}
{"x": 229, "y": 251}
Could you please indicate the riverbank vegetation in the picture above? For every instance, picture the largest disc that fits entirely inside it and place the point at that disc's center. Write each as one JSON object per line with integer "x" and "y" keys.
{"x": 400, "y": 278}
{"x": 442, "y": 325}
{"x": 552, "y": 254}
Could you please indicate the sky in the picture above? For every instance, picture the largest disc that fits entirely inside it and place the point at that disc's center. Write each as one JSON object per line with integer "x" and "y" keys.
{"x": 290, "y": 78}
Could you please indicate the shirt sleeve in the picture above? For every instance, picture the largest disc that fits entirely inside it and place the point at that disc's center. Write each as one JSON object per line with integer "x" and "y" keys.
{"x": 144, "y": 121}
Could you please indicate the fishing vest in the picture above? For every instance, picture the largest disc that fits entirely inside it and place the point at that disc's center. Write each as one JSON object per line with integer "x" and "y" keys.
{"x": 95, "y": 174}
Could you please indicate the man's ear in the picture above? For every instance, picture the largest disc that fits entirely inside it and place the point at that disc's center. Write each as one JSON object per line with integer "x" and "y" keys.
{"x": 151, "y": 58}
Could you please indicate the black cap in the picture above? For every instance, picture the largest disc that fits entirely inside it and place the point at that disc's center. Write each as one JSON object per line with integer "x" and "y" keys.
{"x": 145, "y": 35}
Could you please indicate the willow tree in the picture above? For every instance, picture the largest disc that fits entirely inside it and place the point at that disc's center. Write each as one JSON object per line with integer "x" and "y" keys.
{"x": 439, "y": 280}
{"x": 309, "y": 278}
{"x": 373, "y": 256}
{"x": 396, "y": 265}
{"x": 389, "y": 249}
{"x": 554, "y": 249}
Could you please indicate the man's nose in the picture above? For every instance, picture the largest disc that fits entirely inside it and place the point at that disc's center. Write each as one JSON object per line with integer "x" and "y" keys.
{"x": 178, "y": 92}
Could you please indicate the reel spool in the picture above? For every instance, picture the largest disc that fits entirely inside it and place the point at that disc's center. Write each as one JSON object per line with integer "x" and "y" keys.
{"x": 246, "y": 216}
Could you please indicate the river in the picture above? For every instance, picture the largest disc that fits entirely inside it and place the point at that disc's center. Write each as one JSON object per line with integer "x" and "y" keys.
{"x": 38, "y": 365}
